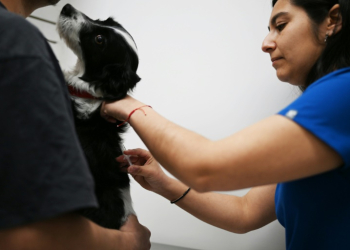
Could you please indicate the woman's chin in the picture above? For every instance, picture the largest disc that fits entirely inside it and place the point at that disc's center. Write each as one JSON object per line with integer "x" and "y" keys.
{"x": 283, "y": 77}
{"x": 292, "y": 79}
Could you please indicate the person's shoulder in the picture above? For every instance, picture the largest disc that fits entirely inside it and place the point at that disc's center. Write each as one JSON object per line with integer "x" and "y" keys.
{"x": 330, "y": 92}
{"x": 339, "y": 75}
{"x": 334, "y": 82}
{"x": 19, "y": 37}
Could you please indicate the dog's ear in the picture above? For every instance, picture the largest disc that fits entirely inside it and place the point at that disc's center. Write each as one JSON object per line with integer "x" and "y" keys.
{"x": 115, "y": 81}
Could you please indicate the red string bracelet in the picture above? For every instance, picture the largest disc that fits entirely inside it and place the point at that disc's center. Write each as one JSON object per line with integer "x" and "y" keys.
{"x": 127, "y": 119}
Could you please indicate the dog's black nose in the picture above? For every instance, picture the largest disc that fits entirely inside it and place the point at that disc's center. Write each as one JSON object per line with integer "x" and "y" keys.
{"x": 67, "y": 10}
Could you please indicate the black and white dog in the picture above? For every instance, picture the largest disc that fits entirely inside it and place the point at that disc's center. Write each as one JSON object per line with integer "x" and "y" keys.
{"x": 105, "y": 70}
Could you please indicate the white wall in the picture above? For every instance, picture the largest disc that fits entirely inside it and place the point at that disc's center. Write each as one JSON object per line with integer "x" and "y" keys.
{"x": 202, "y": 67}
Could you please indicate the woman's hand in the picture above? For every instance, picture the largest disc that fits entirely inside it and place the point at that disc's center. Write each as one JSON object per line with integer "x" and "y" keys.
{"x": 119, "y": 110}
{"x": 146, "y": 170}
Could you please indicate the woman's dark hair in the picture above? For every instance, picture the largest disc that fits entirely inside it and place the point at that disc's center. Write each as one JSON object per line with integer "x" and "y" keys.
{"x": 336, "y": 54}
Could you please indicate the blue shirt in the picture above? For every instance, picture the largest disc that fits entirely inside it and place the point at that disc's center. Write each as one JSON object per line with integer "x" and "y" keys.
{"x": 315, "y": 211}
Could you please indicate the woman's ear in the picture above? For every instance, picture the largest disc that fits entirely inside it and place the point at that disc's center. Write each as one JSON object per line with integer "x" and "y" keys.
{"x": 334, "y": 24}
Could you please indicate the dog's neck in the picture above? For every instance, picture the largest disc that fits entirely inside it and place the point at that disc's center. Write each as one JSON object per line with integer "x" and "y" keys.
{"x": 73, "y": 79}
{"x": 86, "y": 99}
{"x": 82, "y": 94}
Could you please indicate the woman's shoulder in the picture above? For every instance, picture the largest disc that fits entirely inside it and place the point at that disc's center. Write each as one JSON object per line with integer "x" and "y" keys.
{"x": 331, "y": 92}
{"x": 323, "y": 110}
{"x": 335, "y": 79}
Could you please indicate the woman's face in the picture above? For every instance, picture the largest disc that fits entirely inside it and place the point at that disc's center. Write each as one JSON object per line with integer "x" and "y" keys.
{"x": 291, "y": 43}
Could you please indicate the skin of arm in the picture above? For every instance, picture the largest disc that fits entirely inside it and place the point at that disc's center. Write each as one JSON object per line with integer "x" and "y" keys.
{"x": 72, "y": 231}
{"x": 273, "y": 150}
{"x": 231, "y": 213}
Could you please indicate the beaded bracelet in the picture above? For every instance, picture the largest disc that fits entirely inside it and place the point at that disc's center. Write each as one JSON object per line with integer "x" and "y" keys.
{"x": 174, "y": 201}
{"x": 127, "y": 119}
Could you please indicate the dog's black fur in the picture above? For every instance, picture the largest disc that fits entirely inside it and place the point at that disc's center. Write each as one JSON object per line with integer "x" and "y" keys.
{"x": 106, "y": 69}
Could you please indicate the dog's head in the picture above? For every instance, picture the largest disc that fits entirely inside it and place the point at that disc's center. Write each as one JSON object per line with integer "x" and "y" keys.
{"x": 107, "y": 54}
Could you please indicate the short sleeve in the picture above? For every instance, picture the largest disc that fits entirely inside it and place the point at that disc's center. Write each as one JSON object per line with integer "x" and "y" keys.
{"x": 43, "y": 172}
{"x": 323, "y": 109}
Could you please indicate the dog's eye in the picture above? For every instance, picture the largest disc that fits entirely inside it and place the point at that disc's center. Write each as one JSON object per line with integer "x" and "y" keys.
{"x": 99, "y": 39}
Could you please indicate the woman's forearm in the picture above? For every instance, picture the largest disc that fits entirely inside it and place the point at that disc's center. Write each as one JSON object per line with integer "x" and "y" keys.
{"x": 182, "y": 152}
{"x": 220, "y": 210}
{"x": 232, "y": 213}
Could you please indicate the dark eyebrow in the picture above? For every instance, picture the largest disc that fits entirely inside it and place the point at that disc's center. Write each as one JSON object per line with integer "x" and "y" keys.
{"x": 273, "y": 20}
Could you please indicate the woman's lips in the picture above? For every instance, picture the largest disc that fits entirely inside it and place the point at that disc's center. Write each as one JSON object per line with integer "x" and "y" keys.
{"x": 274, "y": 60}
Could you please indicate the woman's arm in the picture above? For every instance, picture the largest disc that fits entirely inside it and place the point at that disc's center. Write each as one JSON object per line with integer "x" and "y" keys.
{"x": 232, "y": 213}
{"x": 271, "y": 151}
{"x": 72, "y": 231}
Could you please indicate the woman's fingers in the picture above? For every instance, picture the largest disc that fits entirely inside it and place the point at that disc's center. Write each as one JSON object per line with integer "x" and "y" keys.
{"x": 133, "y": 159}
{"x": 138, "y": 152}
{"x": 145, "y": 170}
{"x": 137, "y": 157}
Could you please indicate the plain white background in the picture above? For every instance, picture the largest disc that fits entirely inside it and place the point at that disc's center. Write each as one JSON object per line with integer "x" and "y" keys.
{"x": 202, "y": 67}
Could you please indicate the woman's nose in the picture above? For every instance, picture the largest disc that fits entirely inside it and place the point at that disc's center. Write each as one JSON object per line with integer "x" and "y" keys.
{"x": 268, "y": 44}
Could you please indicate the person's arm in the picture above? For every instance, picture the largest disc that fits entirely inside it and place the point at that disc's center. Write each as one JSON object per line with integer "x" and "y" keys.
{"x": 231, "y": 213}
{"x": 72, "y": 231}
{"x": 271, "y": 151}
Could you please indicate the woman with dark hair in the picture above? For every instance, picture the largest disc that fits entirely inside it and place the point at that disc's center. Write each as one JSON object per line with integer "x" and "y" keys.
{"x": 297, "y": 161}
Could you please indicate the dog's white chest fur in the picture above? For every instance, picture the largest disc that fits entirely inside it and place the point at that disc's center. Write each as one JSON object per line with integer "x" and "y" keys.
{"x": 127, "y": 203}
{"x": 83, "y": 106}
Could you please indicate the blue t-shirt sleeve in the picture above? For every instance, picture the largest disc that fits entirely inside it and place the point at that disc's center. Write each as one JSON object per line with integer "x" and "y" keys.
{"x": 324, "y": 110}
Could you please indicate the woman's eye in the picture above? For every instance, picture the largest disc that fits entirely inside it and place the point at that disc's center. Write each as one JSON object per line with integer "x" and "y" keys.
{"x": 99, "y": 39}
{"x": 281, "y": 26}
